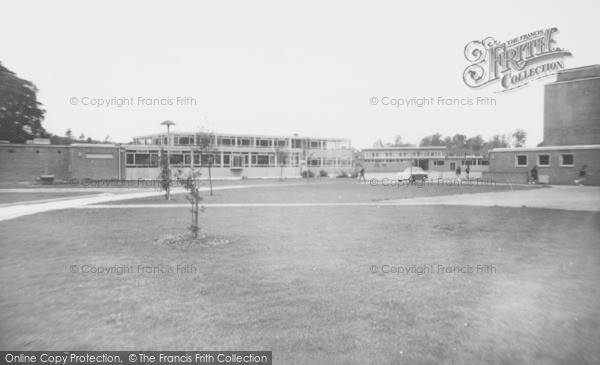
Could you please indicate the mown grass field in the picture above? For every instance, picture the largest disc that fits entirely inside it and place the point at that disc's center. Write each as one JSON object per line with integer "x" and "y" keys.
{"x": 299, "y": 281}
{"x": 322, "y": 191}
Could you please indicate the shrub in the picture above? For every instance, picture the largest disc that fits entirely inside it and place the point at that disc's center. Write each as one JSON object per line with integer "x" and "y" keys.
{"x": 322, "y": 173}
{"x": 342, "y": 174}
{"x": 310, "y": 174}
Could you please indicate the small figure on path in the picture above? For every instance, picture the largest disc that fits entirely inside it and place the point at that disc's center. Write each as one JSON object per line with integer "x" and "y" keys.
{"x": 582, "y": 175}
{"x": 534, "y": 175}
{"x": 361, "y": 174}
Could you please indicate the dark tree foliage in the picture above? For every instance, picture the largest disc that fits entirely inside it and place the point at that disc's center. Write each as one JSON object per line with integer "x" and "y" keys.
{"x": 475, "y": 144}
{"x": 519, "y": 137}
{"x": 397, "y": 143}
{"x": 433, "y": 140}
{"x": 21, "y": 115}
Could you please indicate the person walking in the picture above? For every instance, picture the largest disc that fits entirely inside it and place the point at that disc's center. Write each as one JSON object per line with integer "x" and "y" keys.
{"x": 467, "y": 171}
{"x": 534, "y": 175}
{"x": 361, "y": 174}
{"x": 458, "y": 171}
{"x": 582, "y": 175}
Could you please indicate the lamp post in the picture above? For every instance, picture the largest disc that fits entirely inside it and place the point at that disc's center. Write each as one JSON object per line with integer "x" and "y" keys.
{"x": 168, "y": 123}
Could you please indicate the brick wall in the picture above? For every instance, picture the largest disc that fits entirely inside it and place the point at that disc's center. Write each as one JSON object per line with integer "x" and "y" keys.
{"x": 572, "y": 111}
{"x": 503, "y": 166}
{"x": 95, "y": 162}
{"x": 507, "y": 177}
{"x": 25, "y": 163}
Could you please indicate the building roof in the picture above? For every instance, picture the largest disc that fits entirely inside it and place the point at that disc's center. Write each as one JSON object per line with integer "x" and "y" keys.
{"x": 578, "y": 73}
{"x": 403, "y": 148}
{"x": 242, "y": 135}
{"x": 547, "y": 148}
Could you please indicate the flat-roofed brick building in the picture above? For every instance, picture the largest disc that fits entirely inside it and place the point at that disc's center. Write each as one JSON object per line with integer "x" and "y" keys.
{"x": 571, "y": 134}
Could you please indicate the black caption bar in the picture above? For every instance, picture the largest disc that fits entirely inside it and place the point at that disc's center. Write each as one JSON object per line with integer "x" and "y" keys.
{"x": 137, "y": 357}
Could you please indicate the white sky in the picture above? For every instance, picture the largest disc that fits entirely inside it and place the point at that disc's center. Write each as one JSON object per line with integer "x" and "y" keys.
{"x": 281, "y": 67}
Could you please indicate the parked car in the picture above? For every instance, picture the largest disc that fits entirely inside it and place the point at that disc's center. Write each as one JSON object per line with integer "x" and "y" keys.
{"x": 413, "y": 173}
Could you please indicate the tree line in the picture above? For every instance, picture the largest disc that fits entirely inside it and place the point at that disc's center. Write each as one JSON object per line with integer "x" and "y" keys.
{"x": 462, "y": 142}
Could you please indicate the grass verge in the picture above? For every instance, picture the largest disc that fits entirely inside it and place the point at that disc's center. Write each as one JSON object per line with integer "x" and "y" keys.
{"x": 299, "y": 281}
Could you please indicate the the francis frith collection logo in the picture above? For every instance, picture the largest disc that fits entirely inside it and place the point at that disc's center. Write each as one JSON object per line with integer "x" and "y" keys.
{"x": 513, "y": 63}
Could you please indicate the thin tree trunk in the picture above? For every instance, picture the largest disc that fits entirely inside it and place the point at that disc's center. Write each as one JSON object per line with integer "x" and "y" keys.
{"x": 192, "y": 223}
{"x": 210, "y": 180}
{"x": 196, "y": 228}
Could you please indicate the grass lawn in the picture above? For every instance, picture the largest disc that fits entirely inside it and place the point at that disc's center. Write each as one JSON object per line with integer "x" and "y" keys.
{"x": 321, "y": 191}
{"x": 9, "y": 197}
{"x": 298, "y": 281}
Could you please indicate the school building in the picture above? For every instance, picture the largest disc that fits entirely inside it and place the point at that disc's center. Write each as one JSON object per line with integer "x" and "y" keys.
{"x": 571, "y": 134}
{"x": 234, "y": 156}
{"x": 571, "y": 140}
{"x": 240, "y": 155}
{"x": 432, "y": 159}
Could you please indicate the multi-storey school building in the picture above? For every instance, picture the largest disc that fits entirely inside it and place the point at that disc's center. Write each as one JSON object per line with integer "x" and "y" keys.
{"x": 240, "y": 155}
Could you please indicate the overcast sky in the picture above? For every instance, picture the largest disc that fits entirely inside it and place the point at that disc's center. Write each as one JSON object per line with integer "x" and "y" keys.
{"x": 280, "y": 67}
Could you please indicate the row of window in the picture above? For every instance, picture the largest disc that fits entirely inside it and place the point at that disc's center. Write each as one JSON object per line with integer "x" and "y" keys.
{"x": 474, "y": 162}
{"x": 435, "y": 162}
{"x": 152, "y": 159}
{"x": 254, "y": 159}
{"x": 405, "y": 154}
{"x": 543, "y": 160}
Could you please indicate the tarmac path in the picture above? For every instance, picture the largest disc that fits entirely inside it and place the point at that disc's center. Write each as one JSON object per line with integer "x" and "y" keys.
{"x": 553, "y": 197}
{"x": 585, "y": 198}
{"x": 15, "y": 210}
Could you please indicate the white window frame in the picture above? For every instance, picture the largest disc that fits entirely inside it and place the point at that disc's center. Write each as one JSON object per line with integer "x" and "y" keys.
{"x": 237, "y": 161}
{"x": 517, "y": 160}
{"x": 539, "y": 164}
{"x": 561, "y": 160}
